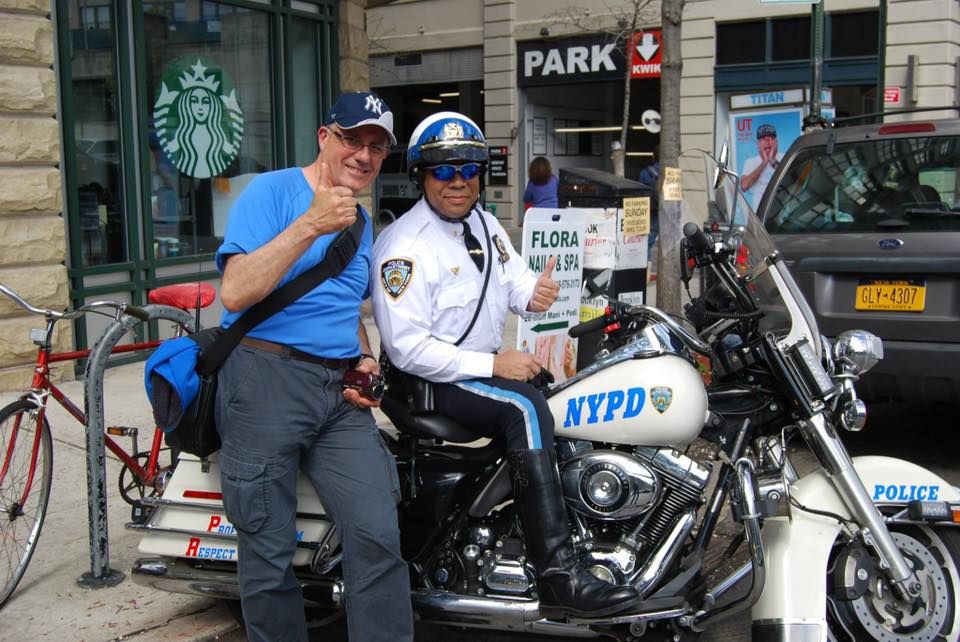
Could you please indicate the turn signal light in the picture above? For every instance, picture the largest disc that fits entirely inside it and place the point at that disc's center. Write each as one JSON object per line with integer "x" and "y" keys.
{"x": 933, "y": 511}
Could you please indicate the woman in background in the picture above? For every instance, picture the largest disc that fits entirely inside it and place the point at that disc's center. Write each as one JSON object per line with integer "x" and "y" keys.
{"x": 542, "y": 187}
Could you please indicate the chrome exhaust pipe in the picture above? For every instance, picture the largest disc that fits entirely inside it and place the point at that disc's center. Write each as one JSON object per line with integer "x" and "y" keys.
{"x": 652, "y": 572}
{"x": 176, "y": 575}
{"x": 481, "y": 612}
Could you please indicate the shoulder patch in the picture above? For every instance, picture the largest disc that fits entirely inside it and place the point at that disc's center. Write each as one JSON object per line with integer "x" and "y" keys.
{"x": 395, "y": 276}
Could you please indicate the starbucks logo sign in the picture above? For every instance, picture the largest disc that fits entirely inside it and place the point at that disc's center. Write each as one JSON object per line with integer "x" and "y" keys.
{"x": 199, "y": 124}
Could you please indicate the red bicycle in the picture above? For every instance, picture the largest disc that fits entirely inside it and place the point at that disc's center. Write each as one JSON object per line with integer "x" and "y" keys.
{"x": 26, "y": 444}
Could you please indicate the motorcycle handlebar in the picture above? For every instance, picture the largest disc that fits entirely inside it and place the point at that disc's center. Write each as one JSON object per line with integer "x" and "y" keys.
{"x": 697, "y": 238}
{"x": 589, "y": 326}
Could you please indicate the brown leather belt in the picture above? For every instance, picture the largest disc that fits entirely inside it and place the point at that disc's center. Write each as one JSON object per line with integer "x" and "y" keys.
{"x": 292, "y": 353}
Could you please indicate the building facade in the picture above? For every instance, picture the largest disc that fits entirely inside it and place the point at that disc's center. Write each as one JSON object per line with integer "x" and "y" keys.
{"x": 548, "y": 79}
{"x": 130, "y": 127}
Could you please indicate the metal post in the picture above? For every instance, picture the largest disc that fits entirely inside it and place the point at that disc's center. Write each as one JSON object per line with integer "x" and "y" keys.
{"x": 101, "y": 575}
{"x": 816, "y": 79}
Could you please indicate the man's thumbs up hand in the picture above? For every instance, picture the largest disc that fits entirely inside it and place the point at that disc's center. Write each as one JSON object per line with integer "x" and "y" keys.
{"x": 333, "y": 208}
{"x": 546, "y": 290}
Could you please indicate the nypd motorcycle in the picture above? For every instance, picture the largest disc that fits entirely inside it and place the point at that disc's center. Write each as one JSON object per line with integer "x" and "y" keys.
{"x": 669, "y": 430}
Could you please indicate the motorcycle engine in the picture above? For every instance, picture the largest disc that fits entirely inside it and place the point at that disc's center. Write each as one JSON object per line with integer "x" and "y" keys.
{"x": 626, "y": 502}
{"x": 609, "y": 485}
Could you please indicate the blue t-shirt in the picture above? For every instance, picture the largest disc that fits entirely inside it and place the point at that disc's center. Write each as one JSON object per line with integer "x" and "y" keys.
{"x": 324, "y": 322}
{"x": 542, "y": 195}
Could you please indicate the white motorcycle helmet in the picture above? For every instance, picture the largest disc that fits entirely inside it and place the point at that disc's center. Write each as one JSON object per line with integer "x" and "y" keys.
{"x": 445, "y": 138}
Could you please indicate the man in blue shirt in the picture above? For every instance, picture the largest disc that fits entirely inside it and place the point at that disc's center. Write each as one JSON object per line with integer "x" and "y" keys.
{"x": 281, "y": 404}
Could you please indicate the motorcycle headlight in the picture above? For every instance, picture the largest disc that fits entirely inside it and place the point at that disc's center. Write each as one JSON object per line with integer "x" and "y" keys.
{"x": 857, "y": 350}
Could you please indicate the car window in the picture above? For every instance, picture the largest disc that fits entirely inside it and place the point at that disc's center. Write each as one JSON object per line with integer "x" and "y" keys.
{"x": 883, "y": 184}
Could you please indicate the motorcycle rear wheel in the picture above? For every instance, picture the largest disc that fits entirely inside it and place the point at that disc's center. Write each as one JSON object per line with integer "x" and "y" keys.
{"x": 934, "y": 554}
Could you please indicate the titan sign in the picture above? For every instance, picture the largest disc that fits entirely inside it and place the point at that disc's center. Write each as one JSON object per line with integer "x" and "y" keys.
{"x": 579, "y": 59}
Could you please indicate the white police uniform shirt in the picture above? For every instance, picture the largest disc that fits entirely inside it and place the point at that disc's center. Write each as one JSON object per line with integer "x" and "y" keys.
{"x": 425, "y": 287}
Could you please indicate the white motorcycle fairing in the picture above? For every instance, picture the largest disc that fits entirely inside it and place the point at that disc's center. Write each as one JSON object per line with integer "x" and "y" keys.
{"x": 190, "y": 521}
{"x": 793, "y": 605}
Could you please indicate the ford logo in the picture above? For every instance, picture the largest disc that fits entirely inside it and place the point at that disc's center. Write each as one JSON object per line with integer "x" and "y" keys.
{"x": 890, "y": 244}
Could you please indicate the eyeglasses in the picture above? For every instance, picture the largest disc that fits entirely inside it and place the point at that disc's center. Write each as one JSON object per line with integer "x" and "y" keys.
{"x": 447, "y": 172}
{"x": 354, "y": 144}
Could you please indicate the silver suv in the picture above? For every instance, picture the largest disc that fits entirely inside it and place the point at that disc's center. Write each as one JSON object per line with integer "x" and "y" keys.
{"x": 868, "y": 217}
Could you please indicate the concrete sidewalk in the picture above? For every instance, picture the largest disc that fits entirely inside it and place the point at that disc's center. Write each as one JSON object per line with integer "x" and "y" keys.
{"x": 49, "y": 604}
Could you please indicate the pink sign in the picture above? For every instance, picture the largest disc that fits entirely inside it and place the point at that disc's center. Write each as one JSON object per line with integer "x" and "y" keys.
{"x": 891, "y": 95}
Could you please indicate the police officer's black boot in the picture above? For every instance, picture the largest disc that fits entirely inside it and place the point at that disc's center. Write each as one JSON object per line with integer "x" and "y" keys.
{"x": 564, "y": 587}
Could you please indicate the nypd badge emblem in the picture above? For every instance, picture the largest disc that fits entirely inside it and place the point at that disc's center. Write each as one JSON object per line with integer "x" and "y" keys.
{"x": 395, "y": 275}
{"x": 660, "y": 397}
{"x": 452, "y": 131}
{"x": 501, "y": 249}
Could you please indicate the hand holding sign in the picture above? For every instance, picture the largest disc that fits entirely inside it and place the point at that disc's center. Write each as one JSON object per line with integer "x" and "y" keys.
{"x": 546, "y": 290}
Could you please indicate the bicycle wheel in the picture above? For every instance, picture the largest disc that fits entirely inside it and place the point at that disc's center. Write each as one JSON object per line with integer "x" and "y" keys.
{"x": 22, "y": 518}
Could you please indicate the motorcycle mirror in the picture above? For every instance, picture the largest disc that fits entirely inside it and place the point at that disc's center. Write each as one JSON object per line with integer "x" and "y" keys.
{"x": 721, "y": 168}
{"x": 596, "y": 284}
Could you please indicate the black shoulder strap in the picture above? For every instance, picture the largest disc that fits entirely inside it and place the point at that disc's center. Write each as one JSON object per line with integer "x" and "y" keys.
{"x": 339, "y": 254}
{"x": 486, "y": 280}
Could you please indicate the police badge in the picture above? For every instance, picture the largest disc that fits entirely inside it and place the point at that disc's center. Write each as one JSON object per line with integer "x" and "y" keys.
{"x": 501, "y": 249}
{"x": 660, "y": 397}
{"x": 395, "y": 275}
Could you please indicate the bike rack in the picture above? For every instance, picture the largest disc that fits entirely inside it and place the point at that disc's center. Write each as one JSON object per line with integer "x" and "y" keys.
{"x": 101, "y": 575}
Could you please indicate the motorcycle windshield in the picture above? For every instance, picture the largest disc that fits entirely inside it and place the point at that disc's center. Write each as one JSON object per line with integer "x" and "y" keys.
{"x": 769, "y": 282}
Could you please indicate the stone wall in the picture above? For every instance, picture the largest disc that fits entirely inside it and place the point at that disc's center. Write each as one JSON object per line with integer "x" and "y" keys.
{"x": 32, "y": 232}
{"x": 354, "y": 68}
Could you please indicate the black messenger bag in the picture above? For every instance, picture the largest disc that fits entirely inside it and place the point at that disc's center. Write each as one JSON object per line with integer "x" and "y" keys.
{"x": 196, "y": 433}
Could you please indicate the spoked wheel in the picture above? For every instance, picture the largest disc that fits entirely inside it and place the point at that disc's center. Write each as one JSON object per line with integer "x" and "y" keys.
{"x": 26, "y": 457}
{"x": 861, "y": 606}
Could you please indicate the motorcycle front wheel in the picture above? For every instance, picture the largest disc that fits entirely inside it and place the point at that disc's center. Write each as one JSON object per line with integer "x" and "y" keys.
{"x": 861, "y": 606}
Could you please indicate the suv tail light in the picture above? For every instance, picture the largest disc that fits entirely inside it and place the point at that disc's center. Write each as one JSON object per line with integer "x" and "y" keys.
{"x": 907, "y": 128}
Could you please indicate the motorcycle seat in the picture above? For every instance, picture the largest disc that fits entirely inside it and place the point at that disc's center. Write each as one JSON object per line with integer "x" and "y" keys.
{"x": 431, "y": 425}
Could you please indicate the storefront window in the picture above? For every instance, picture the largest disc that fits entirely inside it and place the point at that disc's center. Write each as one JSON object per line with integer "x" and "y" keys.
{"x": 304, "y": 94}
{"x": 855, "y": 34}
{"x": 741, "y": 42}
{"x": 791, "y": 38}
{"x": 211, "y": 121}
{"x": 96, "y": 132}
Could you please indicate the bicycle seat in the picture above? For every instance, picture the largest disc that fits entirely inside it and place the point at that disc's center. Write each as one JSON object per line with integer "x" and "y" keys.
{"x": 183, "y": 295}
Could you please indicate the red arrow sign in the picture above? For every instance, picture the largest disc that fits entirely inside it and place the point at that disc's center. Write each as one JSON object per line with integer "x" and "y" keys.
{"x": 646, "y": 54}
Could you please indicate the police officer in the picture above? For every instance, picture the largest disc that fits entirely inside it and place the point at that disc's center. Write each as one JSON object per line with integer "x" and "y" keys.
{"x": 447, "y": 275}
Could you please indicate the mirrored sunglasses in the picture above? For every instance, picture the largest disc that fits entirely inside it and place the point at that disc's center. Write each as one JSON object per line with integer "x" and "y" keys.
{"x": 447, "y": 172}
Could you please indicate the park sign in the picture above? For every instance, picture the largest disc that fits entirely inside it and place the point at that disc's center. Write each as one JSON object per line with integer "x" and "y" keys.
{"x": 559, "y": 233}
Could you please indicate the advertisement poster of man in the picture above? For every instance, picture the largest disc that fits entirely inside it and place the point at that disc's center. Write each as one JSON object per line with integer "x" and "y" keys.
{"x": 760, "y": 138}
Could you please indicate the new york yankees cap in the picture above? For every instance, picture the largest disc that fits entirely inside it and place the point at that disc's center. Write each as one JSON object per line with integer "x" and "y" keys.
{"x": 766, "y": 130}
{"x": 359, "y": 108}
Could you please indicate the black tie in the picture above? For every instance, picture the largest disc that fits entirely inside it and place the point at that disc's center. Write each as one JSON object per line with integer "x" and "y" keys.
{"x": 473, "y": 245}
